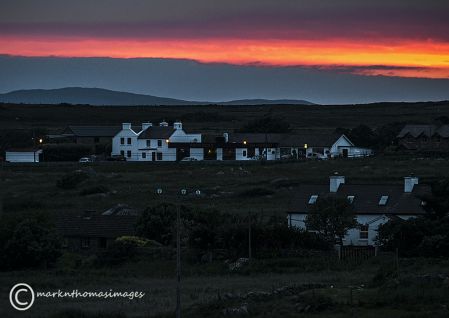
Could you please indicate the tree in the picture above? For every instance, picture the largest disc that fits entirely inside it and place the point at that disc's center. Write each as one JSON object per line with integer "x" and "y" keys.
{"x": 32, "y": 243}
{"x": 331, "y": 217}
{"x": 436, "y": 204}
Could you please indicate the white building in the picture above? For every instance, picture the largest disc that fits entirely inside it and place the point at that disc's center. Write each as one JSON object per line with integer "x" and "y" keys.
{"x": 155, "y": 143}
{"x": 23, "y": 155}
{"x": 373, "y": 204}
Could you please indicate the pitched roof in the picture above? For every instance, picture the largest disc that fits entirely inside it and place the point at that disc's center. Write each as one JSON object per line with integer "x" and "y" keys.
{"x": 108, "y": 226}
{"x": 157, "y": 132}
{"x": 287, "y": 140}
{"x": 366, "y": 198}
{"x": 92, "y": 131}
{"x": 417, "y": 130}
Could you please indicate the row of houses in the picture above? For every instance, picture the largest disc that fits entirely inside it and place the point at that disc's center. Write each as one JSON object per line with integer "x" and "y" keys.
{"x": 424, "y": 138}
{"x": 173, "y": 143}
{"x": 164, "y": 142}
{"x": 373, "y": 205}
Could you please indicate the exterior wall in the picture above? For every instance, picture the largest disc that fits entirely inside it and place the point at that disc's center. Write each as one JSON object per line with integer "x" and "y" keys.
{"x": 24, "y": 156}
{"x": 179, "y": 135}
{"x": 197, "y": 153}
{"x": 353, "y": 235}
{"x": 117, "y": 147}
{"x": 341, "y": 144}
{"x": 424, "y": 143}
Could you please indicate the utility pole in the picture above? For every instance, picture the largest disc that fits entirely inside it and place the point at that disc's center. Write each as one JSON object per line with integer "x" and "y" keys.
{"x": 249, "y": 237}
{"x": 178, "y": 263}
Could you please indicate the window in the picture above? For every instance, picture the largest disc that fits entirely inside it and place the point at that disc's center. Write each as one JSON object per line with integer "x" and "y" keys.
{"x": 148, "y": 143}
{"x": 350, "y": 198}
{"x": 159, "y": 156}
{"x": 65, "y": 243}
{"x": 129, "y": 141}
{"x": 273, "y": 152}
{"x": 85, "y": 242}
{"x": 383, "y": 200}
{"x": 244, "y": 153}
{"x": 144, "y": 155}
{"x": 313, "y": 199}
{"x": 364, "y": 232}
{"x": 122, "y": 141}
{"x": 159, "y": 143}
{"x": 128, "y": 153}
{"x": 122, "y": 153}
{"x": 96, "y": 140}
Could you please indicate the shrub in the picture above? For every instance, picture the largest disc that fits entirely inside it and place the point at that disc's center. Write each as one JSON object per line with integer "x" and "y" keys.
{"x": 32, "y": 243}
{"x": 95, "y": 190}
{"x": 72, "y": 179}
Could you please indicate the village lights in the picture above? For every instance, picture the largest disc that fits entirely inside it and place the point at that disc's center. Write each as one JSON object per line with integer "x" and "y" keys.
{"x": 244, "y": 142}
{"x": 167, "y": 141}
{"x": 305, "y": 146}
{"x": 40, "y": 140}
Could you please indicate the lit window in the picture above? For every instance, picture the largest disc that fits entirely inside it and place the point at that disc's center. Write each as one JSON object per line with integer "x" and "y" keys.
{"x": 364, "y": 231}
{"x": 313, "y": 199}
{"x": 383, "y": 200}
{"x": 350, "y": 198}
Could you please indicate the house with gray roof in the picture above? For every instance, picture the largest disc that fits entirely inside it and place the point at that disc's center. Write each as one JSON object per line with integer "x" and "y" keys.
{"x": 373, "y": 204}
{"x": 424, "y": 138}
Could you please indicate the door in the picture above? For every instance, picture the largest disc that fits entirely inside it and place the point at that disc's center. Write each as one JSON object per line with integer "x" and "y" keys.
{"x": 345, "y": 153}
{"x": 153, "y": 156}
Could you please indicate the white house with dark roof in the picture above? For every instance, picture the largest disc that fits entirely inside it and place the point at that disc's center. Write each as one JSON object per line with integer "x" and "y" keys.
{"x": 374, "y": 204}
{"x": 154, "y": 143}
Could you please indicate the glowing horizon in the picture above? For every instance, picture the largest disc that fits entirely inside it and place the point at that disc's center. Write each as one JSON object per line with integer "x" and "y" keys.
{"x": 401, "y": 58}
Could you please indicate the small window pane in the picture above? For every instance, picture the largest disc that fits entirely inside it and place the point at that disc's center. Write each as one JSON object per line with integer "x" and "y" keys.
{"x": 313, "y": 199}
{"x": 383, "y": 200}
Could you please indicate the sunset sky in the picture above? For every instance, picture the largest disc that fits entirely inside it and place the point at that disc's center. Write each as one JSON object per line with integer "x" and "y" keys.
{"x": 401, "y": 38}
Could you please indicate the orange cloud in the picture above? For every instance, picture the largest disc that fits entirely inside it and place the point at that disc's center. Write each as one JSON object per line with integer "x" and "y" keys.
{"x": 406, "y": 58}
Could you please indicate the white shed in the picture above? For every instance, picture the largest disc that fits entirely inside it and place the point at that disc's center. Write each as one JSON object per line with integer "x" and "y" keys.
{"x": 23, "y": 155}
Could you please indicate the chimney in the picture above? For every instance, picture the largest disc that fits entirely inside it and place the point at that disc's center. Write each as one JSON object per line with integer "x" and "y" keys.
{"x": 126, "y": 126}
{"x": 163, "y": 124}
{"x": 226, "y": 137}
{"x": 335, "y": 181}
{"x": 177, "y": 125}
{"x": 409, "y": 183}
{"x": 146, "y": 125}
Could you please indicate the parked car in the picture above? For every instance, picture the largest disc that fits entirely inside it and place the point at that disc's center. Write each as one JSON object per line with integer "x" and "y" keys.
{"x": 189, "y": 159}
{"x": 317, "y": 156}
{"x": 85, "y": 160}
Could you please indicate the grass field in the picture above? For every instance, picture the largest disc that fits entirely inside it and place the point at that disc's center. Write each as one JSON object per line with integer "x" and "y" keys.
{"x": 339, "y": 290}
{"x": 234, "y": 187}
{"x": 420, "y": 290}
{"x": 221, "y": 118}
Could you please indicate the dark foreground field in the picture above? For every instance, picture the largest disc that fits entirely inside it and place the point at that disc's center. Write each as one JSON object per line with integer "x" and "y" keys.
{"x": 295, "y": 287}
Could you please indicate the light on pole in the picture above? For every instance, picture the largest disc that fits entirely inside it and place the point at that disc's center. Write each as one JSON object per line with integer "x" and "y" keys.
{"x": 183, "y": 192}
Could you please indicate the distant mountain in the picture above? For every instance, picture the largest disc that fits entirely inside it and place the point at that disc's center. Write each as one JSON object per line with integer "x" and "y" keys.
{"x": 267, "y": 102}
{"x": 100, "y": 96}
